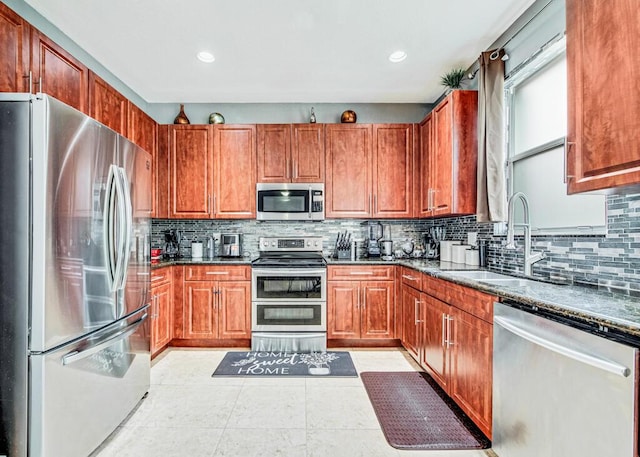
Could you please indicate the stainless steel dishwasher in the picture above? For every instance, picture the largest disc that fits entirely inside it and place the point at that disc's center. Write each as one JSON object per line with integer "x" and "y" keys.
{"x": 559, "y": 391}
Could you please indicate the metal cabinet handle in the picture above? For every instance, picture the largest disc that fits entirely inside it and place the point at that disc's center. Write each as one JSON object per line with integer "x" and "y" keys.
{"x": 597, "y": 362}
{"x": 410, "y": 278}
{"x": 217, "y": 273}
{"x": 156, "y": 278}
{"x": 375, "y": 204}
{"x": 567, "y": 146}
{"x": 444, "y": 338}
{"x": 361, "y": 273}
{"x": 449, "y": 339}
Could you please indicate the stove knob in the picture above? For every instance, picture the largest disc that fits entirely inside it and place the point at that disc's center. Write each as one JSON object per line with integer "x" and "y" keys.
{"x": 308, "y": 243}
{"x": 273, "y": 244}
{"x": 316, "y": 244}
{"x": 265, "y": 243}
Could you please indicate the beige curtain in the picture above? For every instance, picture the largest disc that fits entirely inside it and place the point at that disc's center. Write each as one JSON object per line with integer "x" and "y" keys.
{"x": 492, "y": 192}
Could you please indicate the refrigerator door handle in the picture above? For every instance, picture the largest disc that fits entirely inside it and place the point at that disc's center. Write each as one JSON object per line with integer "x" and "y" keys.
{"x": 583, "y": 357}
{"x": 109, "y": 230}
{"x": 74, "y": 356}
{"x": 127, "y": 226}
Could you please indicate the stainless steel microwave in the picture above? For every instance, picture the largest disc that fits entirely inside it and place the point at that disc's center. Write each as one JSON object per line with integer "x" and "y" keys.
{"x": 290, "y": 202}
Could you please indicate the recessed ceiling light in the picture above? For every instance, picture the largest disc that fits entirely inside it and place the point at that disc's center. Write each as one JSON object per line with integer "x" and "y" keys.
{"x": 397, "y": 56}
{"x": 205, "y": 56}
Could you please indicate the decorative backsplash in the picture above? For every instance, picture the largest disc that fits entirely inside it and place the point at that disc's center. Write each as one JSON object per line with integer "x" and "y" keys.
{"x": 611, "y": 260}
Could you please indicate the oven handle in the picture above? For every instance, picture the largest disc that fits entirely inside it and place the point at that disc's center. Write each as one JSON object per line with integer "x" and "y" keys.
{"x": 289, "y": 271}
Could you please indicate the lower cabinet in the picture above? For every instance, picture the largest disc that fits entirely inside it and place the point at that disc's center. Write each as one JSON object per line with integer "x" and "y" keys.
{"x": 216, "y": 302}
{"x": 161, "y": 308}
{"x": 448, "y": 330}
{"x": 360, "y": 308}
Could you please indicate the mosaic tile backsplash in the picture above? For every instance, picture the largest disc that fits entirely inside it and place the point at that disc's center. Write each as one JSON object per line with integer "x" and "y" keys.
{"x": 611, "y": 260}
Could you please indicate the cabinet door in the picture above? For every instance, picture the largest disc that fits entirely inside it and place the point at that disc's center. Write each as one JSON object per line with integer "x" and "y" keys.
{"x": 235, "y": 171}
{"x": 433, "y": 344}
{"x": 422, "y": 190}
{"x": 307, "y": 152}
{"x": 162, "y": 328}
{"x": 440, "y": 170}
{"x": 142, "y": 129}
{"x": 410, "y": 317}
{"x": 274, "y": 153}
{"x": 161, "y": 175}
{"x": 343, "y": 309}
{"x": 376, "y": 310}
{"x": 471, "y": 367}
{"x": 348, "y": 170}
{"x": 392, "y": 170}
{"x": 58, "y": 73}
{"x": 603, "y": 39}
{"x": 234, "y": 309}
{"x": 14, "y": 51}
{"x": 200, "y": 317}
{"x": 191, "y": 169}
{"x": 107, "y": 105}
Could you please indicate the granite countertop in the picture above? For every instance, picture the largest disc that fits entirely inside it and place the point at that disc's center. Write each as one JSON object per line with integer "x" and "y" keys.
{"x": 584, "y": 304}
{"x": 202, "y": 261}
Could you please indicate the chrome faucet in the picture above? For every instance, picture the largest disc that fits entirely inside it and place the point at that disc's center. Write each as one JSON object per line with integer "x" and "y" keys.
{"x": 529, "y": 257}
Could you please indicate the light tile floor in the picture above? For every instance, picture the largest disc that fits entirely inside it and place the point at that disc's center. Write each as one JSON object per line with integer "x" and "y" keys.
{"x": 188, "y": 413}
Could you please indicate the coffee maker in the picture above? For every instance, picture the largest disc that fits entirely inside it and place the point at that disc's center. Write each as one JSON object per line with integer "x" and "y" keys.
{"x": 171, "y": 244}
{"x": 372, "y": 241}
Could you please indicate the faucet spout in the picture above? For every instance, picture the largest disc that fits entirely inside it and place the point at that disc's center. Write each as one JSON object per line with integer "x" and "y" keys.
{"x": 529, "y": 257}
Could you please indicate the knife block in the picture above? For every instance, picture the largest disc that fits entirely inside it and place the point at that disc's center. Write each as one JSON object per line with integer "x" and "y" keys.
{"x": 344, "y": 254}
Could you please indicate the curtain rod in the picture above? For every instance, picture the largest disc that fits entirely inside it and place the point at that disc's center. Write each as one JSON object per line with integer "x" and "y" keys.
{"x": 474, "y": 71}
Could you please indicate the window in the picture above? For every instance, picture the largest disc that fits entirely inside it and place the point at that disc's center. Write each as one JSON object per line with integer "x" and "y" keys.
{"x": 536, "y": 102}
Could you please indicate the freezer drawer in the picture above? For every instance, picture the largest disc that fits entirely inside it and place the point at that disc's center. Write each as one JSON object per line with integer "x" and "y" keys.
{"x": 82, "y": 391}
{"x": 559, "y": 391}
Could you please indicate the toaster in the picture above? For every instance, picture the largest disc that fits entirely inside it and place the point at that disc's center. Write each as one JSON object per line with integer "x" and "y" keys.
{"x": 230, "y": 245}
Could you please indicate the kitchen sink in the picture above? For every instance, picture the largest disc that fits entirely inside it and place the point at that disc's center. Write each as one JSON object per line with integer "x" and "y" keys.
{"x": 496, "y": 279}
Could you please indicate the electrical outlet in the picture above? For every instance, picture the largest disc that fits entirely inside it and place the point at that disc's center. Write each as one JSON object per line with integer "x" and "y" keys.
{"x": 216, "y": 236}
{"x": 499, "y": 229}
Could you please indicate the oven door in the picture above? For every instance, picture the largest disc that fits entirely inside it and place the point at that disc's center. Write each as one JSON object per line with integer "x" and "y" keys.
{"x": 305, "y": 316}
{"x": 288, "y": 285}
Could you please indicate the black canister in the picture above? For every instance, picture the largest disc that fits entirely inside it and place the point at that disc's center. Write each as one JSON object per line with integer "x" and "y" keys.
{"x": 482, "y": 254}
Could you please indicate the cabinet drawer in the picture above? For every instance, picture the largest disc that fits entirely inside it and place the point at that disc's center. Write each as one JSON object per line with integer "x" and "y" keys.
{"x": 161, "y": 276}
{"x": 412, "y": 278}
{"x": 217, "y": 273}
{"x": 356, "y": 272}
{"x": 474, "y": 302}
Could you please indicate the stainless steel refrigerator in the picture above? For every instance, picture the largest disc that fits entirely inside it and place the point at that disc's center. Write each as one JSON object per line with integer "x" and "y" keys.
{"x": 75, "y": 211}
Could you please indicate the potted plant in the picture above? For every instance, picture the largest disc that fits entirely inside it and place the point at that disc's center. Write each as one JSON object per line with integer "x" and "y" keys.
{"x": 453, "y": 79}
{"x": 318, "y": 362}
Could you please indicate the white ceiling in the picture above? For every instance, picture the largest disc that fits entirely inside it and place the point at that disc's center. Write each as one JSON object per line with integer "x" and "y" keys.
{"x": 283, "y": 51}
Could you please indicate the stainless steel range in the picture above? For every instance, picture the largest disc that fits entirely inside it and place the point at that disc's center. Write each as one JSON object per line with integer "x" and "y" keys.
{"x": 289, "y": 295}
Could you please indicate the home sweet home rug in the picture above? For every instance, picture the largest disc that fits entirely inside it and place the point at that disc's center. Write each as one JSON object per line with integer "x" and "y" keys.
{"x": 415, "y": 413}
{"x": 253, "y": 363}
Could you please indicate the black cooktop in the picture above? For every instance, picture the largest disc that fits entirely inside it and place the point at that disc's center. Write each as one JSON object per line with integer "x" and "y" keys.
{"x": 290, "y": 259}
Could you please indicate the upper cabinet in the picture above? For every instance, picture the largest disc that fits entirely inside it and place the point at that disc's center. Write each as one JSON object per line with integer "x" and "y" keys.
{"x": 14, "y": 52}
{"x": 234, "y": 148}
{"x": 369, "y": 170}
{"x": 290, "y": 153}
{"x": 58, "y": 73}
{"x": 143, "y": 131}
{"x": 603, "y": 95}
{"x": 190, "y": 150}
{"x": 448, "y": 157}
{"x": 392, "y": 170}
{"x": 107, "y": 105}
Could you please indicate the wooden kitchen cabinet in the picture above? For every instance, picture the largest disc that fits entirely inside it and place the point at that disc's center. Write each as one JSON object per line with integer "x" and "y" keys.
{"x": 107, "y": 105}
{"x": 411, "y": 329}
{"x": 143, "y": 131}
{"x": 448, "y": 157}
{"x": 190, "y": 150}
{"x": 603, "y": 95}
{"x": 58, "y": 73}
{"x": 161, "y": 309}
{"x": 15, "y": 36}
{"x": 392, "y": 170}
{"x": 290, "y": 153}
{"x": 307, "y": 153}
{"x": 348, "y": 170}
{"x": 369, "y": 170}
{"x": 360, "y": 308}
{"x": 216, "y": 303}
{"x": 448, "y": 330}
{"x": 234, "y": 174}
